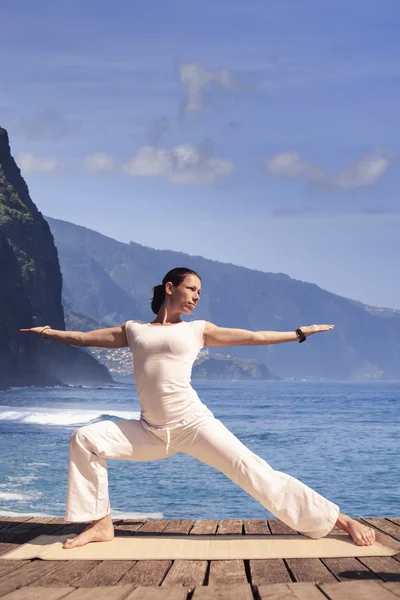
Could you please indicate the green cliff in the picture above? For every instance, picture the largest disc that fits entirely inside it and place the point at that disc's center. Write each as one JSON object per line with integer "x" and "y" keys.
{"x": 30, "y": 292}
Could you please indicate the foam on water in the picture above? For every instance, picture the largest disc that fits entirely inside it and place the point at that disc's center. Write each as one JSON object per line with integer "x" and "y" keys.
{"x": 9, "y": 513}
{"x": 35, "y": 495}
{"x": 60, "y": 416}
{"x": 115, "y": 514}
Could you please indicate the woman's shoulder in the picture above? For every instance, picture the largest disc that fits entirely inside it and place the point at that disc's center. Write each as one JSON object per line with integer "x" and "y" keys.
{"x": 132, "y": 322}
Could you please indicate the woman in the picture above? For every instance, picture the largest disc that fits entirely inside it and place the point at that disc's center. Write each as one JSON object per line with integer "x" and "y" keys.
{"x": 173, "y": 419}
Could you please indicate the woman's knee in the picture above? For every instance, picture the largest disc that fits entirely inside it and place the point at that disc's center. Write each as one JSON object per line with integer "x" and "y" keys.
{"x": 80, "y": 436}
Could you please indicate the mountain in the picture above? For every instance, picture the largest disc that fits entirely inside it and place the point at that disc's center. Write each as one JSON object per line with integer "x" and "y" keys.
{"x": 364, "y": 345}
{"x": 30, "y": 292}
{"x": 226, "y": 367}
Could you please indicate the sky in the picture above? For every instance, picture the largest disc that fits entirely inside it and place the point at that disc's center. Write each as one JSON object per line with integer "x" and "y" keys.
{"x": 263, "y": 133}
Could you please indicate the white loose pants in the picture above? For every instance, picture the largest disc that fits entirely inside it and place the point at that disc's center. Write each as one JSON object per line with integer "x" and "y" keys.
{"x": 207, "y": 439}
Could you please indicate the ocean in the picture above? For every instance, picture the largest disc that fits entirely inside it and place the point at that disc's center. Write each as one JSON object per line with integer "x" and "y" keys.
{"x": 340, "y": 438}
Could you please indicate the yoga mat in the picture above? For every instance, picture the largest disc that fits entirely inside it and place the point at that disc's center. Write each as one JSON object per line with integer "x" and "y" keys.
{"x": 207, "y": 547}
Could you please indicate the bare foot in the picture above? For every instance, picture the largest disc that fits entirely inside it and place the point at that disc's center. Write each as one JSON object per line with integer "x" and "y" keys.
{"x": 360, "y": 534}
{"x": 101, "y": 530}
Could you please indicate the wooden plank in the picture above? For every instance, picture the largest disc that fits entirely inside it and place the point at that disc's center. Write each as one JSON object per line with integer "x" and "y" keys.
{"x": 310, "y": 570}
{"x": 15, "y": 519}
{"x": 348, "y": 569}
{"x": 179, "y": 526}
{"x": 256, "y": 526}
{"x": 60, "y": 521}
{"x": 41, "y": 520}
{"x": 383, "y": 525}
{"x": 230, "y": 592}
{"x": 264, "y": 571}
{"x": 392, "y": 587}
{"x": 119, "y": 592}
{"x": 147, "y": 572}
{"x": 67, "y": 529}
{"x": 395, "y": 520}
{"x": 154, "y": 593}
{"x": 128, "y": 526}
{"x": 277, "y": 527}
{"x": 68, "y": 571}
{"x": 8, "y": 524}
{"x": 204, "y": 527}
{"x": 23, "y": 532}
{"x": 4, "y": 548}
{"x": 6, "y": 566}
{"x": 386, "y": 567}
{"x": 189, "y": 573}
{"x": 269, "y": 571}
{"x": 107, "y": 572}
{"x": 230, "y": 526}
{"x": 290, "y": 591}
{"x": 356, "y": 590}
{"x": 227, "y": 572}
{"x": 153, "y": 526}
{"x": 26, "y": 575}
{"x": 39, "y": 593}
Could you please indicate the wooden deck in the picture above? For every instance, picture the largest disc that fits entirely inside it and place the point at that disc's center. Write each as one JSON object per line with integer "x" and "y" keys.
{"x": 371, "y": 578}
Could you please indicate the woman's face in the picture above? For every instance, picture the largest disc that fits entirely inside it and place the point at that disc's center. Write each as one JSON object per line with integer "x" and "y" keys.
{"x": 186, "y": 296}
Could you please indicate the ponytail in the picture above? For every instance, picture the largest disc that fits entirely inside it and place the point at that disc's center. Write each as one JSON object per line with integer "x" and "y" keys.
{"x": 158, "y": 298}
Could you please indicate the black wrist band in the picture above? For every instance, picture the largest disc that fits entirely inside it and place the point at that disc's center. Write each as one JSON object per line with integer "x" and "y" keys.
{"x": 300, "y": 335}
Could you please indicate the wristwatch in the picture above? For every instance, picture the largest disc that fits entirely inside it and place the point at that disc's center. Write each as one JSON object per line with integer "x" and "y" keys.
{"x": 300, "y": 335}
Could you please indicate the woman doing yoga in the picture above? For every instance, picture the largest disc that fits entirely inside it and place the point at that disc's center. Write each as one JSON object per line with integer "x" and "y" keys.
{"x": 173, "y": 419}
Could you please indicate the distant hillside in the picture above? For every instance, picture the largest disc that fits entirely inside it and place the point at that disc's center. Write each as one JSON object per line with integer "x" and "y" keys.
{"x": 30, "y": 292}
{"x": 224, "y": 367}
{"x": 112, "y": 282}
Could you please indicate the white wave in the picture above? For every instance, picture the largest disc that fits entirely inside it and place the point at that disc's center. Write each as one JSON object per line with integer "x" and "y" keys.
{"x": 16, "y": 496}
{"x": 21, "y": 387}
{"x": 115, "y": 514}
{"x": 60, "y": 416}
{"x": 21, "y": 479}
{"x": 10, "y": 513}
{"x": 10, "y": 496}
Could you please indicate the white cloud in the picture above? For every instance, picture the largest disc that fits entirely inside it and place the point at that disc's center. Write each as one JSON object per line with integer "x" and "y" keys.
{"x": 195, "y": 77}
{"x": 31, "y": 163}
{"x": 99, "y": 162}
{"x": 364, "y": 172}
{"x": 182, "y": 164}
{"x": 291, "y": 165}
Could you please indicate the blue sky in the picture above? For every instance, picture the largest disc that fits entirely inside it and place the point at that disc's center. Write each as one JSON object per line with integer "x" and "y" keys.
{"x": 262, "y": 133}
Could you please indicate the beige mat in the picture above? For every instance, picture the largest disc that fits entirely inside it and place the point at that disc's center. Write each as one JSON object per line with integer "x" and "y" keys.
{"x": 207, "y": 547}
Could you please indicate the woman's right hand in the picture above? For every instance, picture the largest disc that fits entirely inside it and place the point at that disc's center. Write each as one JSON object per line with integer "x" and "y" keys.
{"x": 310, "y": 329}
{"x": 37, "y": 330}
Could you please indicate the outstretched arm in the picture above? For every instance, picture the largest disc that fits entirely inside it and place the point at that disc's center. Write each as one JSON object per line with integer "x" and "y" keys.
{"x": 112, "y": 337}
{"x": 224, "y": 336}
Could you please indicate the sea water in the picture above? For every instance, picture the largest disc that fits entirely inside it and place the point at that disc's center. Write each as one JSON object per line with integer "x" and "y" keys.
{"x": 340, "y": 438}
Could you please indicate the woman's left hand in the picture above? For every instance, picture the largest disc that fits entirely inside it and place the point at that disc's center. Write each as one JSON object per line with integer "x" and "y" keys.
{"x": 310, "y": 329}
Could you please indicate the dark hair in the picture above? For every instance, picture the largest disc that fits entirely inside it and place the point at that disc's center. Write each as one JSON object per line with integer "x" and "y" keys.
{"x": 176, "y": 276}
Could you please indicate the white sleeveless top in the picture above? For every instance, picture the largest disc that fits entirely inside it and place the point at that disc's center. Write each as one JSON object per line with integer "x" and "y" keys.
{"x": 163, "y": 356}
